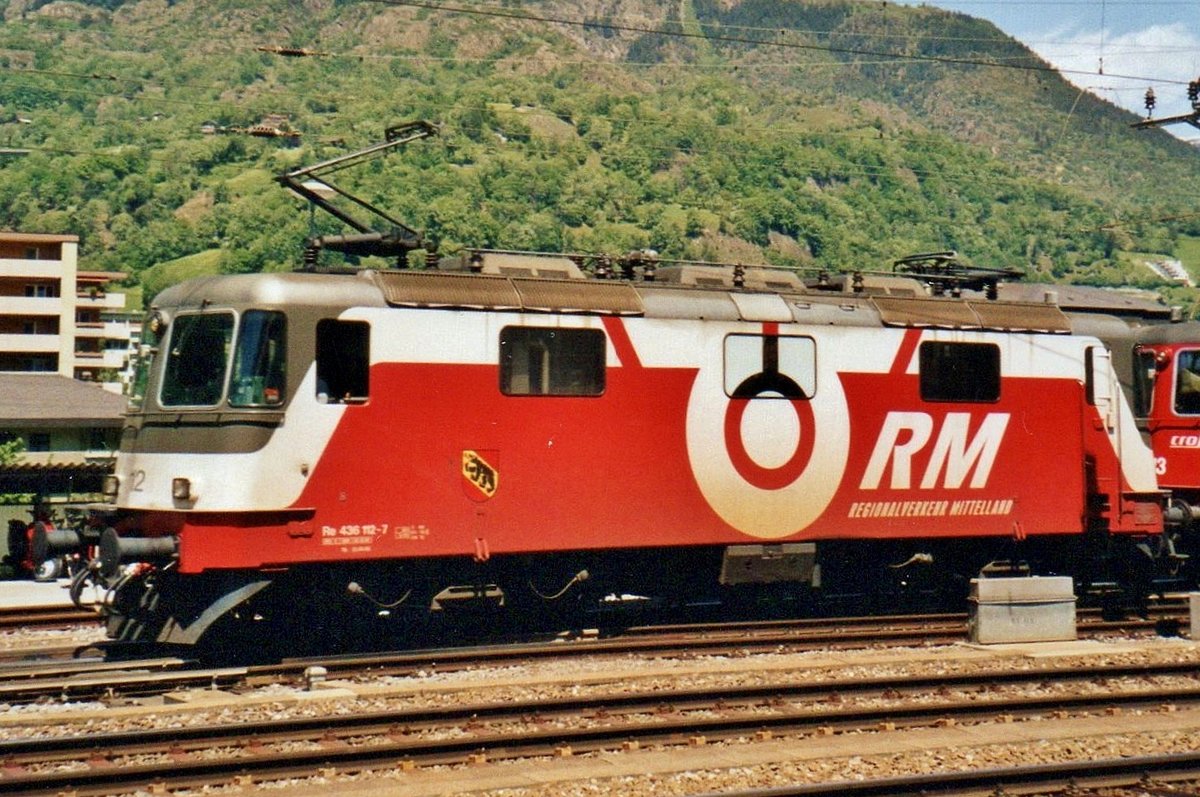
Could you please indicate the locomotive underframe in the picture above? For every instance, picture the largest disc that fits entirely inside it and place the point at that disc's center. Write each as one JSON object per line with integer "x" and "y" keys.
{"x": 368, "y": 604}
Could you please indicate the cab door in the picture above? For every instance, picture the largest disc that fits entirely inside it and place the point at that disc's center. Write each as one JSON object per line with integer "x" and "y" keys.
{"x": 1174, "y": 415}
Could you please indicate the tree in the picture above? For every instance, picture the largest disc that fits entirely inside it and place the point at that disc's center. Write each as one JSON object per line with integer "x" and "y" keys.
{"x": 10, "y": 451}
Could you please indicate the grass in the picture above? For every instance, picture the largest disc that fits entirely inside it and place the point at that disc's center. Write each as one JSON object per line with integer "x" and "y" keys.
{"x": 1187, "y": 250}
{"x": 170, "y": 272}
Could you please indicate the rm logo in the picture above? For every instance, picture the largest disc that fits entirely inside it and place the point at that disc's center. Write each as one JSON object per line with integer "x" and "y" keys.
{"x": 955, "y": 453}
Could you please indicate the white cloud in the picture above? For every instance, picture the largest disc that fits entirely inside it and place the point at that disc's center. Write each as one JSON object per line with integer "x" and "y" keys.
{"x": 1154, "y": 56}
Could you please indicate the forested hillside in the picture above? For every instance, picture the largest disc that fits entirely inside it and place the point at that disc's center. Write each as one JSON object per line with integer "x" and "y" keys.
{"x": 817, "y": 134}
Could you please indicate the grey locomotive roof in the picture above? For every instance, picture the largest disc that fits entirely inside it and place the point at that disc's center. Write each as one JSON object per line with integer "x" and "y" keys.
{"x": 52, "y": 400}
{"x": 1084, "y": 297}
{"x": 877, "y": 303}
{"x": 1187, "y": 332}
{"x": 674, "y": 300}
{"x": 274, "y": 290}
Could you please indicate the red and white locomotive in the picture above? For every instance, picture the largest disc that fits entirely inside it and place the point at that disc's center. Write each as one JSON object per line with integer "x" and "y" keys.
{"x": 311, "y": 447}
{"x": 336, "y": 454}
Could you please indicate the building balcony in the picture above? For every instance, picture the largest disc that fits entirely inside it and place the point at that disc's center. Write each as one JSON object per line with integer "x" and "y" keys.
{"x": 116, "y": 358}
{"x": 23, "y": 344}
{"x": 102, "y": 330}
{"x": 104, "y": 301}
{"x": 13, "y": 267}
{"x": 109, "y": 358}
{"x": 30, "y": 305}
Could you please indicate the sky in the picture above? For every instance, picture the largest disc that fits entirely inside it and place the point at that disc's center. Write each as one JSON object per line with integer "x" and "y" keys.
{"x": 1157, "y": 41}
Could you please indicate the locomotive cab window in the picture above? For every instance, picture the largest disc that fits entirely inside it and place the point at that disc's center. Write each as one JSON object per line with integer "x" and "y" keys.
{"x": 343, "y": 361}
{"x": 541, "y": 361}
{"x": 770, "y": 366}
{"x": 1187, "y": 382}
{"x": 259, "y": 360}
{"x": 197, "y": 356}
{"x": 1144, "y": 371}
{"x": 959, "y": 371}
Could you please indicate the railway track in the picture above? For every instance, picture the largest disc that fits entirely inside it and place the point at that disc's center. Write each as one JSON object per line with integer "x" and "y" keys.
{"x": 1076, "y": 779}
{"x": 408, "y": 739}
{"x": 48, "y": 617}
{"x": 97, "y": 677}
{"x": 24, "y": 617}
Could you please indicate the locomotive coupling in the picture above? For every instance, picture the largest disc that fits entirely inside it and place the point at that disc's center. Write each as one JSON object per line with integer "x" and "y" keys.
{"x": 116, "y": 550}
{"x": 49, "y": 542}
{"x": 1181, "y": 514}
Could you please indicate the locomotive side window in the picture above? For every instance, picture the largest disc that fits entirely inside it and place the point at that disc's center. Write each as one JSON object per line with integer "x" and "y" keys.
{"x": 259, "y": 360}
{"x": 198, "y": 351}
{"x": 959, "y": 371}
{"x": 1187, "y": 382}
{"x": 540, "y": 361}
{"x": 1144, "y": 371}
{"x": 343, "y": 360}
{"x": 770, "y": 366}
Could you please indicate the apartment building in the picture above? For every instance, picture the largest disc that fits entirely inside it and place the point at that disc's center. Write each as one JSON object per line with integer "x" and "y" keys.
{"x": 56, "y": 318}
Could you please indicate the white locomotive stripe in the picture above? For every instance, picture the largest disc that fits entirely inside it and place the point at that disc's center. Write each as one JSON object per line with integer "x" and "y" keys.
{"x": 271, "y": 478}
{"x": 473, "y": 338}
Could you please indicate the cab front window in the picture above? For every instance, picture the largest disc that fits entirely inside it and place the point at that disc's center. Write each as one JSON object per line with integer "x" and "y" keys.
{"x": 259, "y": 360}
{"x": 196, "y": 358}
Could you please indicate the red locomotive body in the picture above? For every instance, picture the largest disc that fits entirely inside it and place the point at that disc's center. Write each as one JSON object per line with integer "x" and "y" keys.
{"x": 310, "y": 443}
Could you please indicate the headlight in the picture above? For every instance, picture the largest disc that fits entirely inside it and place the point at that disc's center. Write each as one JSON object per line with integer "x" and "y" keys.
{"x": 111, "y": 486}
{"x": 181, "y": 489}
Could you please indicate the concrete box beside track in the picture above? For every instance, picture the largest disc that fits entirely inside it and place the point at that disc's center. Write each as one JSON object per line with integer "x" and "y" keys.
{"x": 1007, "y": 610}
{"x": 1194, "y": 614}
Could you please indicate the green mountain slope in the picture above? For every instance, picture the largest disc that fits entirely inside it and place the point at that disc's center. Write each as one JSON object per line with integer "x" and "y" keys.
{"x": 827, "y": 134}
